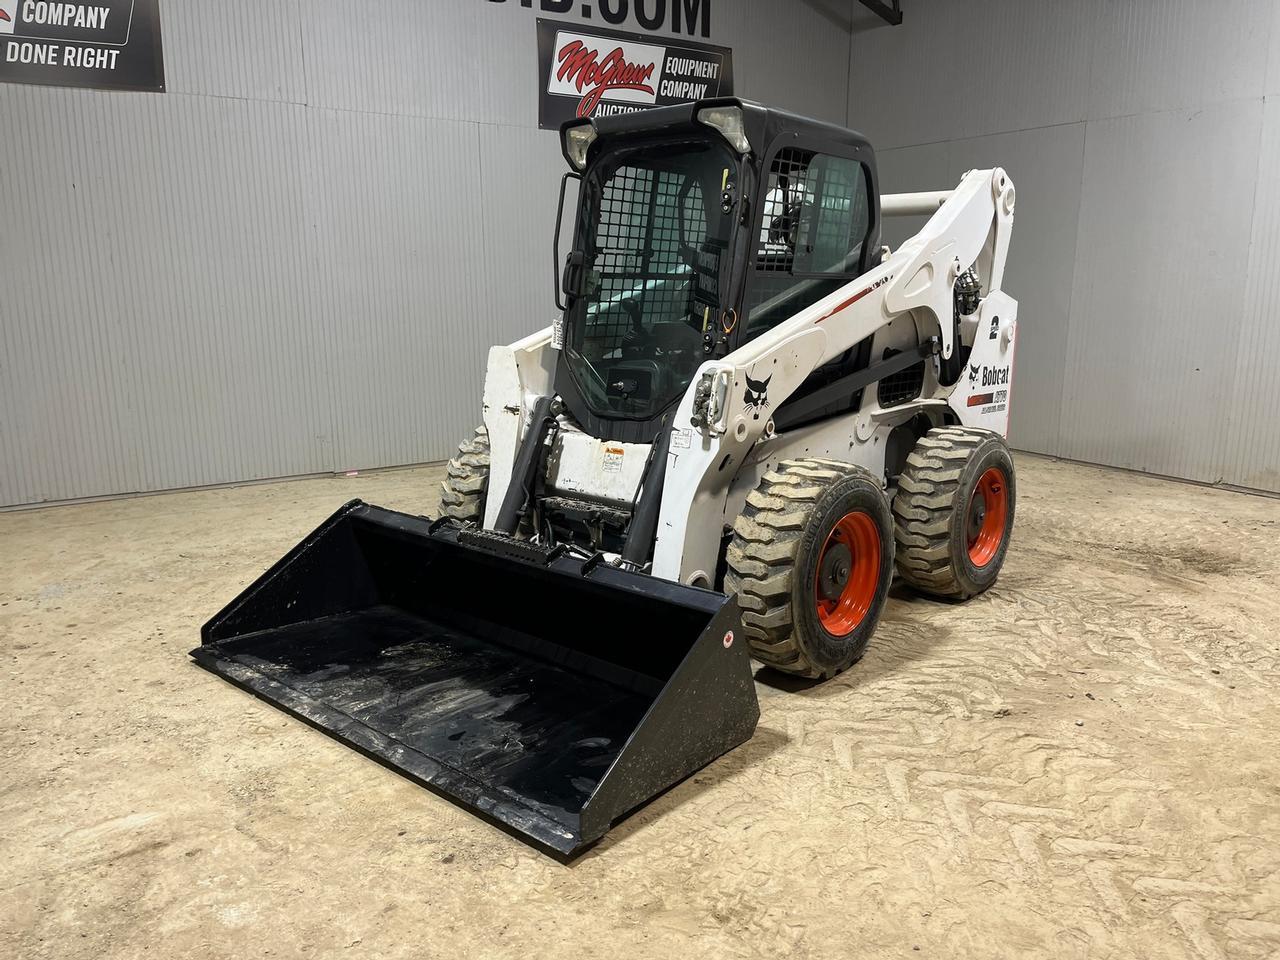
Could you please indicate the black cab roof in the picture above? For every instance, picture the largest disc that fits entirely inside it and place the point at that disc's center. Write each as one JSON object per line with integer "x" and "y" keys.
{"x": 763, "y": 125}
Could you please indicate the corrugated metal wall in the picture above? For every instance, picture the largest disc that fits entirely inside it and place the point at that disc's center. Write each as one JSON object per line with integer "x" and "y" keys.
{"x": 1144, "y": 138}
{"x": 296, "y": 259}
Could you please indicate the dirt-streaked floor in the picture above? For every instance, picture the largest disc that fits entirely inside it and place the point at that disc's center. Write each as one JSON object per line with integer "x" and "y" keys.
{"x": 1083, "y": 762}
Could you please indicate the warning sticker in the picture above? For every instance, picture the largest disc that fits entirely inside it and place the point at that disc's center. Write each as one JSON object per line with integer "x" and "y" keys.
{"x": 613, "y": 459}
{"x": 680, "y": 439}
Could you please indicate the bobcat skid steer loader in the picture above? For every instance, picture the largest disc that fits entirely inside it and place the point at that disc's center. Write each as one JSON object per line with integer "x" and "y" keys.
{"x": 746, "y": 415}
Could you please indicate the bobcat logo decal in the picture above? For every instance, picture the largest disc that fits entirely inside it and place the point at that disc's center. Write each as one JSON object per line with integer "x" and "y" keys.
{"x": 757, "y": 395}
{"x": 973, "y": 373}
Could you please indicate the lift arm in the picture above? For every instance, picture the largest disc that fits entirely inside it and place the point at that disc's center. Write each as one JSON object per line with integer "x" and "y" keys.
{"x": 969, "y": 227}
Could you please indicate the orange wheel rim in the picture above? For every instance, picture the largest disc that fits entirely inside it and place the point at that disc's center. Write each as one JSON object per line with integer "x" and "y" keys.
{"x": 848, "y": 573}
{"x": 988, "y": 512}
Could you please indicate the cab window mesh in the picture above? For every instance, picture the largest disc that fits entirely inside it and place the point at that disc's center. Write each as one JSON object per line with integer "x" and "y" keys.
{"x": 653, "y": 234}
{"x": 638, "y": 253}
{"x": 815, "y": 217}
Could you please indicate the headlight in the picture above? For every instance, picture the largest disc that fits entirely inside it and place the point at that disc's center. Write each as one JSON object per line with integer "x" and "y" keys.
{"x": 728, "y": 120}
{"x": 577, "y": 140}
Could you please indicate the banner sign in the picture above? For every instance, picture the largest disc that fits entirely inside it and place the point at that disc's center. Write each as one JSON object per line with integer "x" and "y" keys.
{"x": 110, "y": 44}
{"x": 596, "y": 73}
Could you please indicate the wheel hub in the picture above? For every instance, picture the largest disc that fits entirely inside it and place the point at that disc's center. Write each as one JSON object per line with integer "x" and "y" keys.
{"x": 837, "y": 562}
{"x": 988, "y": 511}
{"x": 977, "y": 515}
{"x": 848, "y": 573}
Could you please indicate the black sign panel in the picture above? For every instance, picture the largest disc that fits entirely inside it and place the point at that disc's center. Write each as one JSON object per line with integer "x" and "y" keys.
{"x": 593, "y": 72}
{"x": 109, "y": 44}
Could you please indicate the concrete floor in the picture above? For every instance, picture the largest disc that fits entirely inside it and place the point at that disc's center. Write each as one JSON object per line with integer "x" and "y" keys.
{"x": 1082, "y": 762}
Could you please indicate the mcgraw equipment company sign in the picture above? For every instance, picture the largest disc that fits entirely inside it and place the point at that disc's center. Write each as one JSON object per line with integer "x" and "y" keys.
{"x": 595, "y": 73}
{"x": 111, "y": 44}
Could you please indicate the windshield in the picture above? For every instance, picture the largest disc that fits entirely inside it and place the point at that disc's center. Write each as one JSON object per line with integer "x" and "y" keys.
{"x": 655, "y": 239}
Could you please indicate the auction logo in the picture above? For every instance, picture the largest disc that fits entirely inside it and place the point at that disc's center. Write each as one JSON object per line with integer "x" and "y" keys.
{"x": 8, "y": 10}
{"x": 625, "y": 73}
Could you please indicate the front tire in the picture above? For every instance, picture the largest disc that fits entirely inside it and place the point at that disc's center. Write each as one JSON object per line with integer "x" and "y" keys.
{"x": 811, "y": 561}
{"x": 953, "y": 511}
{"x": 466, "y": 482}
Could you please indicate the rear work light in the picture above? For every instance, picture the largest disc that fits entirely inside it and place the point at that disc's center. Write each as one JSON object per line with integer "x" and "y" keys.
{"x": 728, "y": 120}
{"x": 577, "y": 141}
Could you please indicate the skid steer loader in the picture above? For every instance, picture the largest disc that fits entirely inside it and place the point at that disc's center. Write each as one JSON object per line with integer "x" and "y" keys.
{"x": 747, "y": 414}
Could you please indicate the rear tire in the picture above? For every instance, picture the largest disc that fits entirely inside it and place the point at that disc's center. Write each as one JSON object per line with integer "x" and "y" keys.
{"x": 953, "y": 511}
{"x": 811, "y": 561}
{"x": 466, "y": 482}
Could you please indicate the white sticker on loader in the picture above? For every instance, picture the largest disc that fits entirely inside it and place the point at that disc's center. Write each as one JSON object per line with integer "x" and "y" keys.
{"x": 613, "y": 457}
{"x": 981, "y": 397}
{"x": 990, "y": 388}
{"x": 680, "y": 439}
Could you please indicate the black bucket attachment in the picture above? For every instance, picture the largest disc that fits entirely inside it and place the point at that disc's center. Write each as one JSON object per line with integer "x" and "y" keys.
{"x": 547, "y": 694}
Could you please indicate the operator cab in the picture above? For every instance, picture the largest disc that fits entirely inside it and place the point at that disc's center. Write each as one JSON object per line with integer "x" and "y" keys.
{"x": 699, "y": 227}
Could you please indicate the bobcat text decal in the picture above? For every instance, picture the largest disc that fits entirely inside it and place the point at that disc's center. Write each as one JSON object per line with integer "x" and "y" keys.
{"x": 991, "y": 377}
{"x": 994, "y": 376}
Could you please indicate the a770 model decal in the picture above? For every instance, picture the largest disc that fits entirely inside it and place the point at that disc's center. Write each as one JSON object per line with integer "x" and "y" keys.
{"x": 854, "y": 299}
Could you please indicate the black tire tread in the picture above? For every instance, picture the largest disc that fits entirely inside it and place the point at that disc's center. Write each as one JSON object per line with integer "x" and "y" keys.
{"x": 923, "y": 506}
{"x": 763, "y": 552}
{"x": 466, "y": 482}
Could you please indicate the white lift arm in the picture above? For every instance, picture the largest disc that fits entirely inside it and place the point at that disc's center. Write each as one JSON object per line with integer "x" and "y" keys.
{"x": 969, "y": 227}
